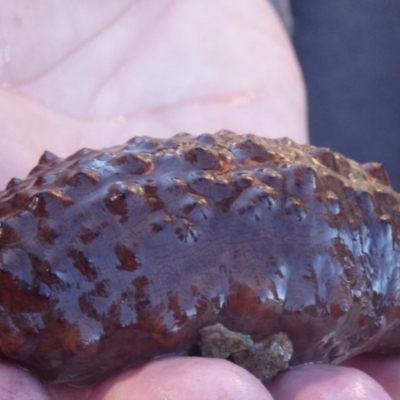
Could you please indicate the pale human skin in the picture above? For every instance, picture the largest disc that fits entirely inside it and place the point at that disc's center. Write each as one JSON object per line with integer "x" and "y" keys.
{"x": 76, "y": 74}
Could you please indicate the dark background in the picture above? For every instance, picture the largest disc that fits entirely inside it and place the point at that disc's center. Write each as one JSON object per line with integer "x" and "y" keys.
{"x": 350, "y": 54}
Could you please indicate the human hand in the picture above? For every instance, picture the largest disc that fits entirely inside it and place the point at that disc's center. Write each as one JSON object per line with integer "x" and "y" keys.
{"x": 75, "y": 74}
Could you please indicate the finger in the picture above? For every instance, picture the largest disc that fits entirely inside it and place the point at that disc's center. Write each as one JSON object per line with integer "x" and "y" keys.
{"x": 184, "y": 378}
{"x": 17, "y": 384}
{"x": 312, "y": 382}
{"x": 384, "y": 369}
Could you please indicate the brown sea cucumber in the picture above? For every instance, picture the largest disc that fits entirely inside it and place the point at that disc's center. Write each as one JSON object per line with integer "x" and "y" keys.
{"x": 112, "y": 258}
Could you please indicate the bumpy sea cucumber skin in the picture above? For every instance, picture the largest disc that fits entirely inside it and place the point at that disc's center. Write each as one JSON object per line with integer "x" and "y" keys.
{"x": 112, "y": 258}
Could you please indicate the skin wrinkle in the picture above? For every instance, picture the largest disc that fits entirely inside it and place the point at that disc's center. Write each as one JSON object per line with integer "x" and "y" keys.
{"x": 231, "y": 98}
{"x": 96, "y": 92}
{"x": 75, "y": 49}
{"x": 183, "y": 93}
{"x": 140, "y": 43}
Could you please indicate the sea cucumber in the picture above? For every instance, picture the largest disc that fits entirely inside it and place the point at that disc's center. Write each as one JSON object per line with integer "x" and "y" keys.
{"x": 112, "y": 258}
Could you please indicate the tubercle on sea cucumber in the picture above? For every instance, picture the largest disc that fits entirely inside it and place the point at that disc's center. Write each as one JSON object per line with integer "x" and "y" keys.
{"x": 112, "y": 258}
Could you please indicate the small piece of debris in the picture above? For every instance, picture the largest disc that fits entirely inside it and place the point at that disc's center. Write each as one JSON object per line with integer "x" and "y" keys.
{"x": 264, "y": 359}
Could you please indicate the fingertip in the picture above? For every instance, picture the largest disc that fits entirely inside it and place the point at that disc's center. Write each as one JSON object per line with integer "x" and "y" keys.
{"x": 184, "y": 378}
{"x": 326, "y": 382}
{"x": 15, "y": 383}
{"x": 384, "y": 369}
